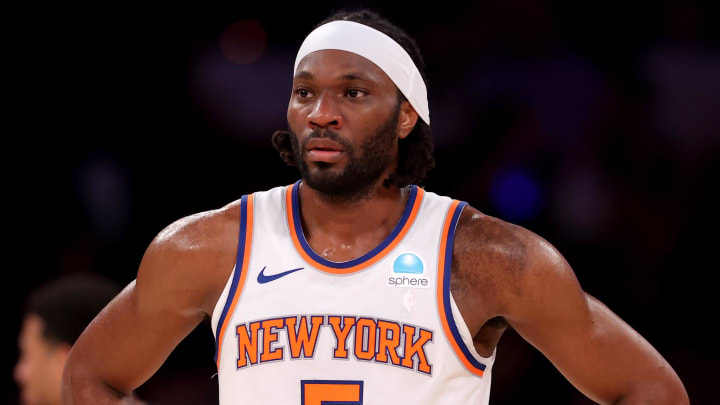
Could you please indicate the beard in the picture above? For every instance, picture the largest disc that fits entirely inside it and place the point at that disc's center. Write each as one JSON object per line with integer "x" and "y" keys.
{"x": 364, "y": 167}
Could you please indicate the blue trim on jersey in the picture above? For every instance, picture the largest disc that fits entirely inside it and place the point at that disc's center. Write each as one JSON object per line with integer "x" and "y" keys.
{"x": 354, "y": 262}
{"x": 446, "y": 288}
{"x": 236, "y": 274}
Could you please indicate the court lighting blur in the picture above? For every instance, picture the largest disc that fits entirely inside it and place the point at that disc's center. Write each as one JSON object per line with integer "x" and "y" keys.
{"x": 243, "y": 41}
{"x": 515, "y": 194}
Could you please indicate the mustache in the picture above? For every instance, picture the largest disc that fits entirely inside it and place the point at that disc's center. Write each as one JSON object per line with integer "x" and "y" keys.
{"x": 327, "y": 134}
{"x": 324, "y": 133}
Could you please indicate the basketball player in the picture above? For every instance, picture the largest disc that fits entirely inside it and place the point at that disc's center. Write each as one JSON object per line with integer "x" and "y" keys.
{"x": 55, "y": 315}
{"x": 353, "y": 285}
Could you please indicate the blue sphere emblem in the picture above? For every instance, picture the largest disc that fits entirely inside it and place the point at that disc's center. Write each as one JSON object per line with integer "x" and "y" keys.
{"x": 408, "y": 263}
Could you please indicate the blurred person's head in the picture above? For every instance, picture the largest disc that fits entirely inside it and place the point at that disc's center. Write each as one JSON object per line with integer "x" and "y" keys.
{"x": 55, "y": 316}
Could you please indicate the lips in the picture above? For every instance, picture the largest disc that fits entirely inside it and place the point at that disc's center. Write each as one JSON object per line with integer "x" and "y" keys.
{"x": 324, "y": 150}
{"x": 323, "y": 144}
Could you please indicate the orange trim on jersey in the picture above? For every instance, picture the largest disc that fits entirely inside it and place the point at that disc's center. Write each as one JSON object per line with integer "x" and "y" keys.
{"x": 243, "y": 275}
{"x": 370, "y": 261}
{"x": 440, "y": 289}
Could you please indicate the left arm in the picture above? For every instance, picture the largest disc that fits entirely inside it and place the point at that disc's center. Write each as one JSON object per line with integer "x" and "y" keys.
{"x": 593, "y": 348}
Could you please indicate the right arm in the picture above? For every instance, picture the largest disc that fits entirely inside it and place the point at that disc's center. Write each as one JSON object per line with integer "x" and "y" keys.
{"x": 180, "y": 278}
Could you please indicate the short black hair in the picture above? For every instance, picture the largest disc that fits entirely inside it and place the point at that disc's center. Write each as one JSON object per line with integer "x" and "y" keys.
{"x": 415, "y": 152}
{"x": 67, "y": 306}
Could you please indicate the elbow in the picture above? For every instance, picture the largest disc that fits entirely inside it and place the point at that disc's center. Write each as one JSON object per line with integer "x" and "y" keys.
{"x": 670, "y": 391}
{"x": 81, "y": 385}
{"x": 668, "y": 397}
{"x": 69, "y": 381}
{"x": 677, "y": 394}
{"x": 673, "y": 391}
{"x": 77, "y": 382}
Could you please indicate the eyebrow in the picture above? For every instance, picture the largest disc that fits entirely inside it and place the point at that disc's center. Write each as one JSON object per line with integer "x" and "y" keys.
{"x": 304, "y": 74}
{"x": 356, "y": 76}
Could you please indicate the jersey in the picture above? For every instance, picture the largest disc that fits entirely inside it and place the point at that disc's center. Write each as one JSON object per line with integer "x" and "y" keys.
{"x": 292, "y": 327}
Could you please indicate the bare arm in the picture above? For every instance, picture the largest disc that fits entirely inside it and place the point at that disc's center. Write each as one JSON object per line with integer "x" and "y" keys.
{"x": 593, "y": 348}
{"x": 179, "y": 280}
{"x": 503, "y": 270}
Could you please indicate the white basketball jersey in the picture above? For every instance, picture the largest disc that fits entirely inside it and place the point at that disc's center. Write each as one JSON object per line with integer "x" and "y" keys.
{"x": 292, "y": 327}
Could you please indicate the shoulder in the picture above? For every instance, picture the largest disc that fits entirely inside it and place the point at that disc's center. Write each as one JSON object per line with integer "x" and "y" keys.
{"x": 191, "y": 259}
{"x": 200, "y": 232}
{"x": 504, "y": 260}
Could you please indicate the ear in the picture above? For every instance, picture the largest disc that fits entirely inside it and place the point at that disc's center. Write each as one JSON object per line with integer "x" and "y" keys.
{"x": 407, "y": 120}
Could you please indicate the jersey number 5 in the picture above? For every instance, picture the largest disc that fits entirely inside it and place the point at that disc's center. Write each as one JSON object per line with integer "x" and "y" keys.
{"x": 331, "y": 392}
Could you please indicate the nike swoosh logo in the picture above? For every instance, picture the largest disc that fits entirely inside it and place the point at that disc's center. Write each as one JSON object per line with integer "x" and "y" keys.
{"x": 262, "y": 278}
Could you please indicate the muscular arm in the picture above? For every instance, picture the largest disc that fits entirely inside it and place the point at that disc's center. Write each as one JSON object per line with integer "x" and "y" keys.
{"x": 539, "y": 295}
{"x": 179, "y": 280}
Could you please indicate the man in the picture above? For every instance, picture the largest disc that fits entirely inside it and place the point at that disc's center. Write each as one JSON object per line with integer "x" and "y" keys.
{"x": 55, "y": 316}
{"x": 352, "y": 285}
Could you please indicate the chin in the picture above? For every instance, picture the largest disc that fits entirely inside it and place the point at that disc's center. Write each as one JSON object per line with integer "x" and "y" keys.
{"x": 322, "y": 172}
{"x": 323, "y": 180}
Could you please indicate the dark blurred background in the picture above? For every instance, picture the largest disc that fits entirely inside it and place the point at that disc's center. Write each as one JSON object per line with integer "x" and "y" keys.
{"x": 594, "y": 125}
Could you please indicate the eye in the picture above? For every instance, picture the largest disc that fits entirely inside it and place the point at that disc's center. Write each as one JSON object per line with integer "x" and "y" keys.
{"x": 302, "y": 92}
{"x": 355, "y": 93}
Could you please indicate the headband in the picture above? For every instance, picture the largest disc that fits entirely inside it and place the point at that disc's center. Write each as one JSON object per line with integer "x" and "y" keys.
{"x": 378, "y": 48}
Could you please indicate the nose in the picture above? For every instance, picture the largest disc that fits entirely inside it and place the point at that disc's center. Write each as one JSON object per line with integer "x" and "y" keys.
{"x": 325, "y": 114}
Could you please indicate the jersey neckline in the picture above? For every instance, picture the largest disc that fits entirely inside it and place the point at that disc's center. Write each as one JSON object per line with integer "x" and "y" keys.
{"x": 292, "y": 201}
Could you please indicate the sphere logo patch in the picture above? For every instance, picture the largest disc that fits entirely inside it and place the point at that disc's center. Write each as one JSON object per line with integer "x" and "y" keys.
{"x": 408, "y": 271}
{"x": 408, "y": 263}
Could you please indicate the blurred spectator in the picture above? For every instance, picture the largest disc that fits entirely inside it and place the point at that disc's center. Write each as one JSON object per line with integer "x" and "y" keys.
{"x": 55, "y": 316}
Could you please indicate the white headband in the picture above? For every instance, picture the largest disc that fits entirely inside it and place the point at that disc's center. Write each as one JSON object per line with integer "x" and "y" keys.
{"x": 377, "y": 47}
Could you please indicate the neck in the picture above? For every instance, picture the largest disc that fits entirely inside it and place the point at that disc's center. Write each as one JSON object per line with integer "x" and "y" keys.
{"x": 344, "y": 230}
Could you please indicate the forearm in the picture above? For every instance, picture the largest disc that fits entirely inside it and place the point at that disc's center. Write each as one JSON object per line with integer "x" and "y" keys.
{"x": 627, "y": 369}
